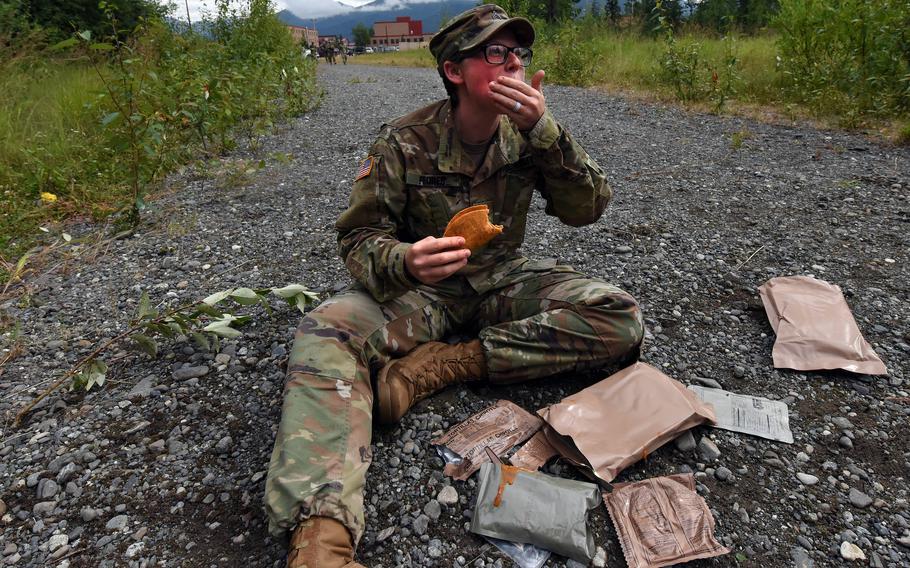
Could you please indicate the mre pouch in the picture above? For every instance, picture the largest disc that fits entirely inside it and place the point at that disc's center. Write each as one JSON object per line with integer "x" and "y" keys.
{"x": 530, "y": 507}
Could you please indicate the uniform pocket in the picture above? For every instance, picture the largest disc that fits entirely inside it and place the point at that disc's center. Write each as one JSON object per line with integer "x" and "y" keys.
{"x": 429, "y": 210}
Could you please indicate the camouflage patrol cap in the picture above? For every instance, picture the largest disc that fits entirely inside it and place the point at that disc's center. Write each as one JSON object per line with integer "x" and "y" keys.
{"x": 473, "y": 27}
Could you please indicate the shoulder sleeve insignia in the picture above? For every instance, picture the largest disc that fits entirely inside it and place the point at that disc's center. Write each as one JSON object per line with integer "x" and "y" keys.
{"x": 365, "y": 168}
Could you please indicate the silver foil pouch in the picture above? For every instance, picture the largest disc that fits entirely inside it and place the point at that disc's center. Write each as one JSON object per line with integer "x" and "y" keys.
{"x": 531, "y": 507}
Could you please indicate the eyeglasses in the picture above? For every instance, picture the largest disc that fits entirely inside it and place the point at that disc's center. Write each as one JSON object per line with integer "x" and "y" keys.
{"x": 497, "y": 54}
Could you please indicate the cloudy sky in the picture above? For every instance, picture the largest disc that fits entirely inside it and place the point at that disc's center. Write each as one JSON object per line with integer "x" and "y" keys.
{"x": 304, "y": 8}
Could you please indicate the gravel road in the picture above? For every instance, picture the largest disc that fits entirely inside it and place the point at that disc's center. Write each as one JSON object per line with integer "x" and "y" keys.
{"x": 165, "y": 465}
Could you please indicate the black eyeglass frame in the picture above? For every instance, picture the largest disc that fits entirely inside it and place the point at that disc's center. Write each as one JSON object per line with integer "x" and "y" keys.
{"x": 517, "y": 50}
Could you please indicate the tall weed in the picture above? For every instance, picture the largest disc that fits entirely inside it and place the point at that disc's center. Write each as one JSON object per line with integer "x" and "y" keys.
{"x": 850, "y": 57}
{"x": 142, "y": 106}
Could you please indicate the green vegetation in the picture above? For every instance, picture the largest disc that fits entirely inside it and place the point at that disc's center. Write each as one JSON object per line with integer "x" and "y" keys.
{"x": 845, "y": 63}
{"x": 89, "y": 126}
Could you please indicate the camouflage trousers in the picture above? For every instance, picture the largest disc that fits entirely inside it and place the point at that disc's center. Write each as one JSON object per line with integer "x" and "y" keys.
{"x": 535, "y": 323}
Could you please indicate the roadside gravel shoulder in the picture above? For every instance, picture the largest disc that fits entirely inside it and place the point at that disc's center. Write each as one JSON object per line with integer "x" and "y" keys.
{"x": 165, "y": 466}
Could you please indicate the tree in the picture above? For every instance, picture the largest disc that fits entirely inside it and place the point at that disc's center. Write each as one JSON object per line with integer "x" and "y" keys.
{"x": 594, "y": 10}
{"x": 362, "y": 35}
{"x": 61, "y": 19}
{"x": 612, "y": 11}
{"x": 549, "y": 10}
{"x": 647, "y": 12}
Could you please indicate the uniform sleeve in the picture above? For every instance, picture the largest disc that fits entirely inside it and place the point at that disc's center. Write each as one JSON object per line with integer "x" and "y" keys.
{"x": 574, "y": 186}
{"x": 368, "y": 229}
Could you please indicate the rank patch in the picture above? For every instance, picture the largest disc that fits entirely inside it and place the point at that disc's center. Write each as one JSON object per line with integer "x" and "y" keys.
{"x": 365, "y": 168}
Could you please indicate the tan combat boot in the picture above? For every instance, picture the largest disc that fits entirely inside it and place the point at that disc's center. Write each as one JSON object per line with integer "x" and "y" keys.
{"x": 321, "y": 542}
{"x": 425, "y": 370}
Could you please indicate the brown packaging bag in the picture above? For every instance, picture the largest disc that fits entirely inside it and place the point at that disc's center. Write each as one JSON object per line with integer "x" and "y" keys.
{"x": 536, "y": 452}
{"x": 612, "y": 424}
{"x": 662, "y": 521}
{"x": 499, "y": 427}
{"x": 815, "y": 328}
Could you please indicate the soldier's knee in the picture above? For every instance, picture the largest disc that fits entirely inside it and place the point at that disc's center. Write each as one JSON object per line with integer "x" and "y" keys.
{"x": 618, "y": 321}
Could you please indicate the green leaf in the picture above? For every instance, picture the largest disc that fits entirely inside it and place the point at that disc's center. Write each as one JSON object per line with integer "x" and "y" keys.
{"x": 245, "y": 296}
{"x": 200, "y": 340}
{"x": 145, "y": 344}
{"x": 85, "y": 34}
{"x": 93, "y": 374}
{"x": 222, "y": 329}
{"x": 110, "y": 117}
{"x": 65, "y": 44}
{"x": 217, "y": 297}
{"x": 302, "y": 301}
{"x": 145, "y": 307}
{"x": 289, "y": 291}
{"x": 100, "y": 46}
{"x": 208, "y": 310}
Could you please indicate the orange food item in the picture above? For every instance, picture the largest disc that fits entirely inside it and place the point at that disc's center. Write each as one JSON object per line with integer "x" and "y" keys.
{"x": 474, "y": 225}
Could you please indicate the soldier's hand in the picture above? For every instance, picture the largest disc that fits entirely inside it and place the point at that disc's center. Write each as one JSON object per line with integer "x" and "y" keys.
{"x": 430, "y": 260}
{"x": 506, "y": 91}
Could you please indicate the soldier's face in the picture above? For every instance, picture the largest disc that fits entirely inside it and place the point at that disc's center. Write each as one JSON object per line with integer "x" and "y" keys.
{"x": 476, "y": 73}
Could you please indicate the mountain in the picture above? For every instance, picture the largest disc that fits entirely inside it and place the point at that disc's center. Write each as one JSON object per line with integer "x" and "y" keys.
{"x": 430, "y": 13}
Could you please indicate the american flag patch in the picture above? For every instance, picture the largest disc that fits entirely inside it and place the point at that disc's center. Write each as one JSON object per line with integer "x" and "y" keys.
{"x": 365, "y": 168}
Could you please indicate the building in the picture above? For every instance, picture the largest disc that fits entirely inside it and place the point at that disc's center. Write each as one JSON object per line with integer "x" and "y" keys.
{"x": 403, "y": 33}
{"x": 309, "y": 36}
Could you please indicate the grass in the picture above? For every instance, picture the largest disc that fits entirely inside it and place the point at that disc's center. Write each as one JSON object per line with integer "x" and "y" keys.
{"x": 47, "y": 138}
{"x": 628, "y": 62}
{"x": 420, "y": 57}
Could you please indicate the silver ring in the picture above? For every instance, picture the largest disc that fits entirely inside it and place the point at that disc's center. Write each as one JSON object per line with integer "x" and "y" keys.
{"x": 517, "y": 107}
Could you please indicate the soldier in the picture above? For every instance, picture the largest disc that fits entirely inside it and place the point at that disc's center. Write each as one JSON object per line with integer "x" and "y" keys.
{"x": 378, "y": 347}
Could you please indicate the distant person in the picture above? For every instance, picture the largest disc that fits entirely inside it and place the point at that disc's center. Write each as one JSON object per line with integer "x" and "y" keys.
{"x": 374, "y": 350}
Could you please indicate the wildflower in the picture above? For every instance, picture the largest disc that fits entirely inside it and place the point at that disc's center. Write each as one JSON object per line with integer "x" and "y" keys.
{"x": 47, "y": 197}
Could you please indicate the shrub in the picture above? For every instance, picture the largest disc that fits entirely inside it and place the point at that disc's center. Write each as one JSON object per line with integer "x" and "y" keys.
{"x": 850, "y": 57}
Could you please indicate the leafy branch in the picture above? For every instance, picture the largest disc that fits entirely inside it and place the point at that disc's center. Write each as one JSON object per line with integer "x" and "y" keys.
{"x": 203, "y": 322}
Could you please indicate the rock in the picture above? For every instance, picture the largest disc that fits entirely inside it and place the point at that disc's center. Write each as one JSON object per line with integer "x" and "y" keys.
{"x": 447, "y": 496}
{"x": 224, "y": 444}
{"x": 707, "y": 449}
{"x": 850, "y": 551}
{"x": 385, "y": 533}
{"x": 433, "y": 509}
{"x": 600, "y": 558}
{"x": 706, "y": 382}
{"x": 859, "y": 499}
{"x": 845, "y": 442}
{"x": 66, "y": 473}
{"x": 723, "y": 474}
{"x": 44, "y": 508}
{"x": 420, "y": 524}
{"x": 623, "y": 249}
{"x": 3, "y": 507}
{"x": 800, "y": 557}
{"x": 185, "y": 373}
{"x": 56, "y": 541}
{"x": 88, "y": 514}
{"x": 142, "y": 389}
{"x": 806, "y": 479}
{"x": 118, "y": 523}
{"x": 842, "y": 423}
{"x": 685, "y": 442}
{"x": 134, "y": 549}
{"x": 47, "y": 488}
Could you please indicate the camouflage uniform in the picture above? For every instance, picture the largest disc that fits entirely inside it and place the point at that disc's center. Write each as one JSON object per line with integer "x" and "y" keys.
{"x": 533, "y": 318}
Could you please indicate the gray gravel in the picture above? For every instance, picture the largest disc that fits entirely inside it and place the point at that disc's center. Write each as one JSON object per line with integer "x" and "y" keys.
{"x": 165, "y": 465}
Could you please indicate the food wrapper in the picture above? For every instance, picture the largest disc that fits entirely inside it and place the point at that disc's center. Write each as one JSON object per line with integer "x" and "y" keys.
{"x": 815, "y": 328}
{"x": 614, "y": 423}
{"x": 531, "y": 507}
{"x": 536, "y": 452}
{"x": 473, "y": 223}
{"x": 662, "y": 521}
{"x": 499, "y": 427}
